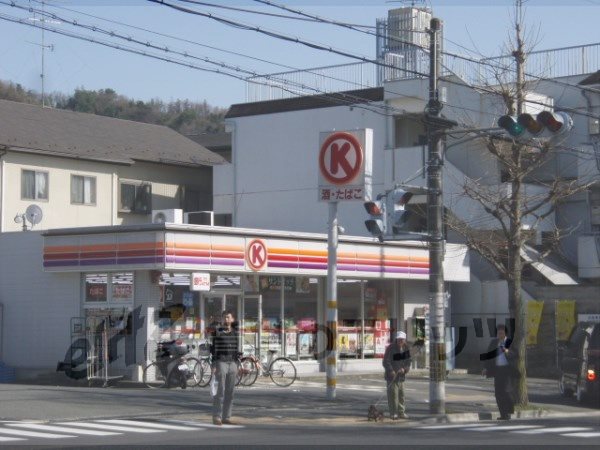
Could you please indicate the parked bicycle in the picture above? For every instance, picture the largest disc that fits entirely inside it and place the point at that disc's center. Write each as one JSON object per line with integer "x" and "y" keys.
{"x": 172, "y": 367}
{"x": 205, "y": 372}
{"x": 282, "y": 370}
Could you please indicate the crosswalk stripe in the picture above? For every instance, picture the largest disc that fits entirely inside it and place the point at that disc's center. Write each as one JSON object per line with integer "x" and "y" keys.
{"x": 202, "y": 425}
{"x": 553, "y": 430}
{"x": 503, "y": 428}
{"x": 102, "y": 426}
{"x": 583, "y": 434}
{"x": 149, "y": 424}
{"x": 10, "y": 439}
{"x": 455, "y": 425}
{"x": 34, "y": 434}
{"x": 41, "y": 427}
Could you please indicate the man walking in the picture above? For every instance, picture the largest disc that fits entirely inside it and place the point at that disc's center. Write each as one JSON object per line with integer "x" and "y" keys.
{"x": 396, "y": 361}
{"x": 224, "y": 353}
{"x": 500, "y": 362}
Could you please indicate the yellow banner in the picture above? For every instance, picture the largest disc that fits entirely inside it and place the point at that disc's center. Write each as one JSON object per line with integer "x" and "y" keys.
{"x": 534, "y": 317}
{"x": 565, "y": 319}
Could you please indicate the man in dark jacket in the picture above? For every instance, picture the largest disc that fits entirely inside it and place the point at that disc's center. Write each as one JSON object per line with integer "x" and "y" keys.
{"x": 224, "y": 351}
{"x": 396, "y": 362}
{"x": 500, "y": 363}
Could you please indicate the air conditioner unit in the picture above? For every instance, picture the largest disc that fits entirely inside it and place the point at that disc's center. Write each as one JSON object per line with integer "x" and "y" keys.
{"x": 199, "y": 217}
{"x": 167, "y": 216}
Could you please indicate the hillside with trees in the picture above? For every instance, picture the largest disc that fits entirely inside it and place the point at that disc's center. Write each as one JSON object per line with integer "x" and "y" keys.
{"x": 184, "y": 116}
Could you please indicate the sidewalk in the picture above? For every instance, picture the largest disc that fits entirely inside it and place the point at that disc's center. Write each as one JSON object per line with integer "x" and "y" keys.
{"x": 297, "y": 405}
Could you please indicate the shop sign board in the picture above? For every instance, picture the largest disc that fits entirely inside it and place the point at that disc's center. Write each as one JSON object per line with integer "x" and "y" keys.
{"x": 200, "y": 281}
{"x": 345, "y": 159}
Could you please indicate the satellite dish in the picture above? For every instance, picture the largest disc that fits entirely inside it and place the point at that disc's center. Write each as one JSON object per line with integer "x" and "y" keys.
{"x": 34, "y": 214}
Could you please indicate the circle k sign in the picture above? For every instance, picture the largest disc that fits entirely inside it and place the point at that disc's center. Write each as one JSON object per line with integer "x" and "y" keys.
{"x": 340, "y": 158}
{"x": 256, "y": 255}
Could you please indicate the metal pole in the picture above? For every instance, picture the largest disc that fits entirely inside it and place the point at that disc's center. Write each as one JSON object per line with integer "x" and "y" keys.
{"x": 332, "y": 312}
{"x": 437, "y": 350}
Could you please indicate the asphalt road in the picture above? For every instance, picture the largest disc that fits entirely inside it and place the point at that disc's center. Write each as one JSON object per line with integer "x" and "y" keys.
{"x": 267, "y": 415}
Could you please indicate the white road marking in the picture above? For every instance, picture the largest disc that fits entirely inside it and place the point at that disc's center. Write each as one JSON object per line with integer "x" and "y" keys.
{"x": 553, "y": 430}
{"x": 101, "y": 426}
{"x": 504, "y": 428}
{"x": 584, "y": 434}
{"x": 158, "y": 425}
{"x": 9, "y": 439}
{"x": 201, "y": 425}
{"x": 34, "y": 434}
{"x": 41, "y": 427}
{"x": 456, "y": 425}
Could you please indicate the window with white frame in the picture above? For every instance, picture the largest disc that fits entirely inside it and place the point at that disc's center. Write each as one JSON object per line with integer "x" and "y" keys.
{"x": 135, "y": 197}
{"x": 83, "y": 190}
{"x": 111, "y": 288}
{"x": 34, "y": 185}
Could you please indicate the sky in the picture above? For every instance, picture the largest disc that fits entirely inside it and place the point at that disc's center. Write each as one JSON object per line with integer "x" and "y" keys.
{"x": 476, "y": 28}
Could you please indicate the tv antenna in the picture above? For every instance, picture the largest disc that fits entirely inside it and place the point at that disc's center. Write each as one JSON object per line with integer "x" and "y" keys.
{"x": 33, "y": 214}
{"x": 43, "y": 21}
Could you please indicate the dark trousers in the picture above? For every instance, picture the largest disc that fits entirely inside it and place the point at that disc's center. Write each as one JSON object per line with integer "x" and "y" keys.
{"x": 504, "y": 390}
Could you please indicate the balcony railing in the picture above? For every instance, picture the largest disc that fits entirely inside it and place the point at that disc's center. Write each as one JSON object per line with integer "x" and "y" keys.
{"x": 553, "y": 63}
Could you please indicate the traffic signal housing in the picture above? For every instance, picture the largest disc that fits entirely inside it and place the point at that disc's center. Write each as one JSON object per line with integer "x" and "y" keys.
{"x": 399, "y": 216}
{"x": 377, "y": 223}
{"x": 546, "y": 124}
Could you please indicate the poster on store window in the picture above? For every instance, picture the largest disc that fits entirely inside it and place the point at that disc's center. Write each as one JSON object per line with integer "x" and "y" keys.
{"x": 250, "y": 283}
{"x": 381, "y": 342}
{"x": 273, "y": 283}
{"x": 291, "y": 341}
{"x": 302, "y": 285}
{"x": 369, "y": 344}
{"x": 305, "y": 344}
{"x": 347, "y": 343}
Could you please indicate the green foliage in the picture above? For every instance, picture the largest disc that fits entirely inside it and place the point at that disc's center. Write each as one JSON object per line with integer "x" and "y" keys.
{"x": 184, "y": 116}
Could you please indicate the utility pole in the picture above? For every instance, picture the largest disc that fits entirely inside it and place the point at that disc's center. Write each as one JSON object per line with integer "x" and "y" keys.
{"x": 435, "y": 211}
{"x": 332, "y": 311}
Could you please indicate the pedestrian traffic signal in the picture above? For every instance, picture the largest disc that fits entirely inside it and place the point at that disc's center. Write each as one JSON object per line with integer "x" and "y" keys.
{"x": 546, "y": 124}
{"x": 377, "y": 224}
{"x": 399, "y": 216}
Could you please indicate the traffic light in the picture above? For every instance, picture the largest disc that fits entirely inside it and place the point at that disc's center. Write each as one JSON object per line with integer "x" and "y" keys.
{"x": 545, "y": 124}
{"x": 377, "y": 224}
{"x": 399, "y": 216}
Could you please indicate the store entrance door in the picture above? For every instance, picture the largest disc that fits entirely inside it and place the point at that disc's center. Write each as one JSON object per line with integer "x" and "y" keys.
{"x": 212, "y": 305}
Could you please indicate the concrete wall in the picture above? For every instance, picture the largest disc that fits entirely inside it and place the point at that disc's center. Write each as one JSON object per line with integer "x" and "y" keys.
{"x": 38, "y": 306}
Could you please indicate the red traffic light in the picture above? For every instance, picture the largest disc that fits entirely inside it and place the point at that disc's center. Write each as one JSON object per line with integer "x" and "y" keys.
{"x": 553, "y": 121}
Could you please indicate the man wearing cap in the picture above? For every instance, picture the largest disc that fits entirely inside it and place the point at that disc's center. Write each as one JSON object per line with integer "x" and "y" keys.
{"x": 396, "y": 362}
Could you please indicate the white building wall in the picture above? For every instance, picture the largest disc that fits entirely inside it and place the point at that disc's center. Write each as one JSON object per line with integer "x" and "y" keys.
{"x": 276, "y": 169}
{"x": 38, "y": 306}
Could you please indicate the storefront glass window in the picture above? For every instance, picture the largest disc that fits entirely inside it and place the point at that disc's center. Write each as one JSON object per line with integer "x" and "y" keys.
{"x": 378, "y": 301}
{"x": 349, "y": 317}
{"x": 270, "y": 289}
{"x": 179, "y": 314}
{"x": 300, "y": 318}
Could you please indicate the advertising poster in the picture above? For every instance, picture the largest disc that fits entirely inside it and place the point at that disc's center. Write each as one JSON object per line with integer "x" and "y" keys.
{"x": 534, "y": 317}
{"x": 565, "y": 319}
{"x": 302, "y": 285}
{"x": 305, "y": 344}
{"x": 369, "y": 344}
{"x": 291, "y": 342}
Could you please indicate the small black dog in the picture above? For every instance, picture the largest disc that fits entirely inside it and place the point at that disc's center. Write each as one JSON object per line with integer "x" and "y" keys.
{"x": 375, "y": 414}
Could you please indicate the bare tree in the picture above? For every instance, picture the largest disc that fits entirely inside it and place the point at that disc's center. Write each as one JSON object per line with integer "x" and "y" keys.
{"x": 514, "y": 208}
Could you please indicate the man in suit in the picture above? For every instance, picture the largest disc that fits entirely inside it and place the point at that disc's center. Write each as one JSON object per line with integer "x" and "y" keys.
{"x": 500, "y": 363}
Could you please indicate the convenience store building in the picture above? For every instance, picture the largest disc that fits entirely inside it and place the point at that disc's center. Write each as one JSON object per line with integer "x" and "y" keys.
{"x": 155, "y": 282}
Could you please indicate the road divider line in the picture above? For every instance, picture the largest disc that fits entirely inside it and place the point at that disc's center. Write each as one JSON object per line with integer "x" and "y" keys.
{"x": 583, "y": 434}
{"x": 10, "y": 439}
{"x": 504, "y": 428}
{"x": 554, "y": 430}
{"x": 455, "y": 425}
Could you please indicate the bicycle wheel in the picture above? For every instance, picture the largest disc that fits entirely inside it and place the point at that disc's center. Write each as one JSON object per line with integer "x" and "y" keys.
{"x": 205, "y": 373}
{"x": 248, "y": 372}
{"x": 282, "y": 371}
{"x": 195, "y": 371}
{"x": 153, "y": 376}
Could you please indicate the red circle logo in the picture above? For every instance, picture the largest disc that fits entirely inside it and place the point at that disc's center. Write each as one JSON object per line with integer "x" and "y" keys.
{"x": 256, "y": 254}
{"x": 340, "y": 158}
